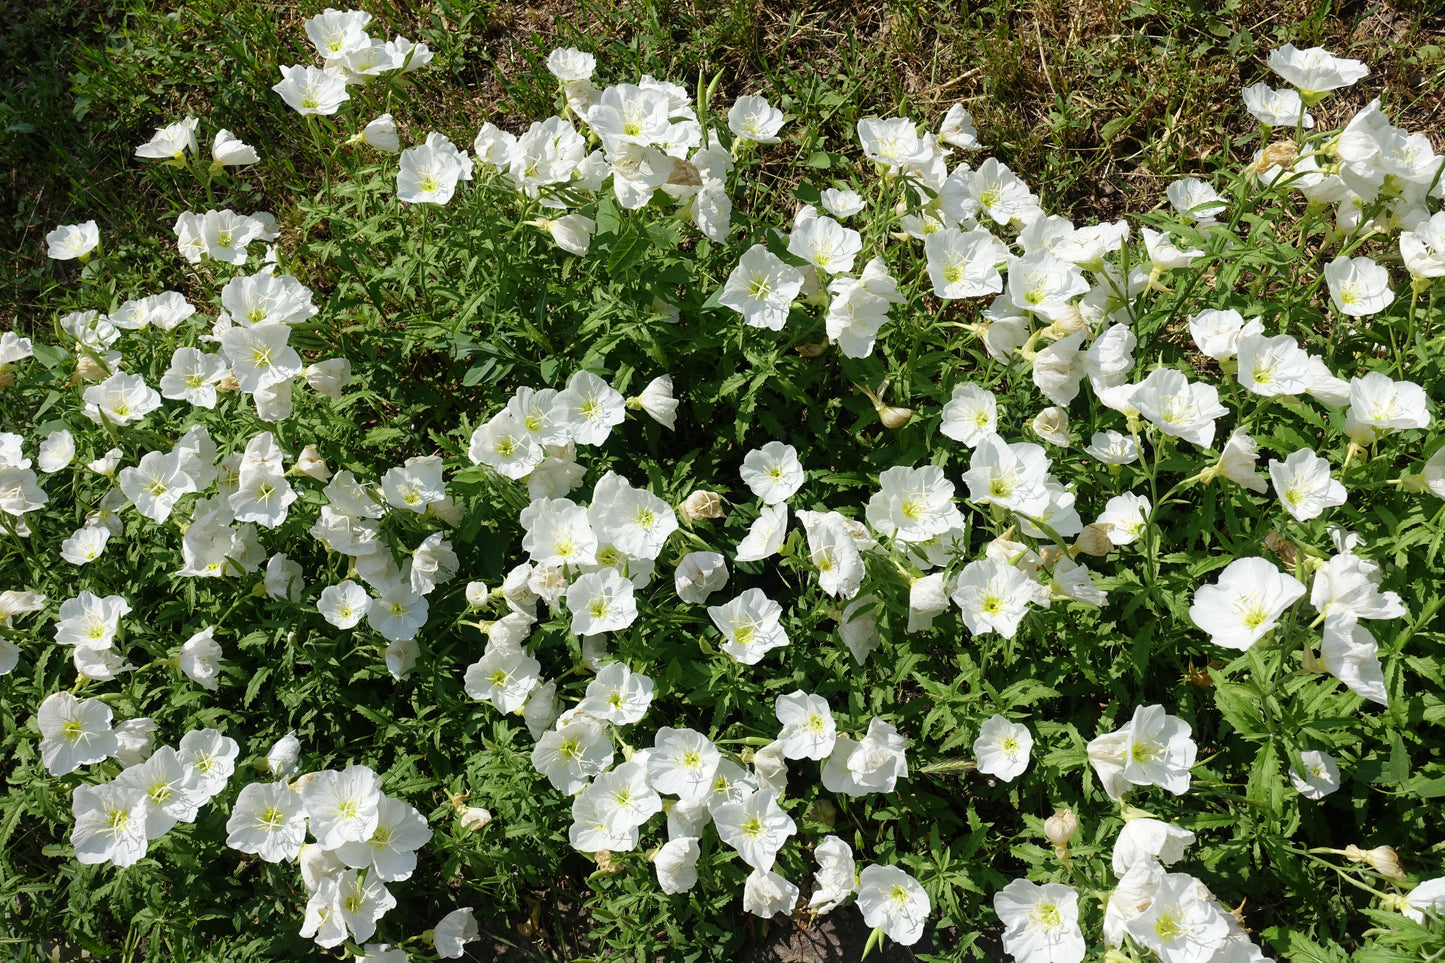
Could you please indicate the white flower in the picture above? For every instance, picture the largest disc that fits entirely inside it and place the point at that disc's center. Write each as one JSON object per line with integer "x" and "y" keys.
{"x": 199, "y": 655}
{"x": 700, "y": 574}
{"x": 873, "y": 764}
{"x": 1152, "y": 749}
{"x": 110, "y": 824}
{"x": 1245, "y": 603}
{"x": 683, "y": 762}
{"x": 70, "y": 241}
{"x": 569, "y": 64}
{"x": 1003, "y": 748}
{"x": 1315, "y": 71}
{"x": 753, "y": 118}
{"x": 570, "y": 755}
{"x": 1276, "y": 108}
{"x": 1145, "y": 840}
{"x": 993, "y": 597}
{"x": 454, "y": 932}
{"x": 842, "y": 203}
{"x": 835, "y": 879}
{"x": 676, "y": 864}
{"x": 750, "y": 625}
{"x": 761, "y": 288}
{"x": 767, "y": 894}
{"x": 73, "y": 733}
{"x": 504, "y": 677}
{"x": 756, "y": 827}
{"x": 1304, "y": 486}
{"x": 308, "y": 90}
{"x": 1321, "y": 776}
{"x": 892, "y": 899}
{"x": 171, "y": 142}
{"x": 1358, "y": 286}
{"x": 1041, "y": 923}
{"x": 342, "y": 806}
{"x": 808, "y": 727}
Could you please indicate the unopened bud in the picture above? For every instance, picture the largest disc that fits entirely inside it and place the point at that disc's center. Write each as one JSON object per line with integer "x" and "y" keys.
{"x": 474, "y": 818}
{"x": 823, "y": 811}
{"x": 310, "y": 462}
{"x": 1414, "y": 484}
{"x": 812, "y": 349}
{"x": 894, "y": 418}
{"x": 1069, "y": 322}
{"x": 703, "y": 504}
{"x": 91, "y": 369}
{"x": 1382, "y": 859}
{"x": 1052, "y": 425}
{"x": 1061, "y": 827}
{"x": 1094, "y": 540}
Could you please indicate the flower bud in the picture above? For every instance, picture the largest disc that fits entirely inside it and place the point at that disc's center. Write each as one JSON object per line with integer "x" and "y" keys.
{"x": 310, "y": 462}
{"x": 91, "y": 369}
{"x": 1094, "y": 540}
{"x": 823, "y": 811}
{"x": 477, "y": 594}
{"x": 703, "y": 504}
{"x": 1068, "y": 322}
{"x": 1382, "y": 859}
{"x": 811, "y": 349}
{"x": 1060, "y": 828}
{"x": 1052, "y": 425}
{"x": 474, "y": 818}
{"x": 894, "y": 418}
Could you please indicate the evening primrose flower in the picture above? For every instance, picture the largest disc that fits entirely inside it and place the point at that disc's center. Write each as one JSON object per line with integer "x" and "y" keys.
{"x": 767, "y": 894}
{"x": 1358, "y": 286}
{"x": 753, "y": 118}
{"x": 773, "y": 472}
{"x": 750, "y": 626}
{"x": 428, "y": 175}
{"x": 1315, "y": 72}
{"x": 73, "y": 733}
{"x": 1245, "y": 604}
{"x": 766, "y": 534}
{"x": 700, "y": 574}
{"x": 1321, "y": 776}
{"x": 308, "y": 90}
{"x": 171, "y": 142}
{"x": 761, "y": 288}
{"x": 342, "y": 806}
{"x": 993, "y": 597}
{"x": 825, "y": 244}
{"x": 110, "y": 824}
{"x": 1003, "y": 748}
{"x": 71, "y": 241}
{"x": 970, "y": 415}
{"x": 1041, "y": 923}
{"x": 570, "y": 755}
{"x": 808, "y": 727}
{"x": 683, "y": 762}
{"x": 757, "y": 828}
{"x": 1304, "y": 486}
{"x": 893, "y": 900}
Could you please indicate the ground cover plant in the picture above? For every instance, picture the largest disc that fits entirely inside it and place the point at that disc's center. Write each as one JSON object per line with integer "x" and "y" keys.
{"x": 702, "y": 514}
